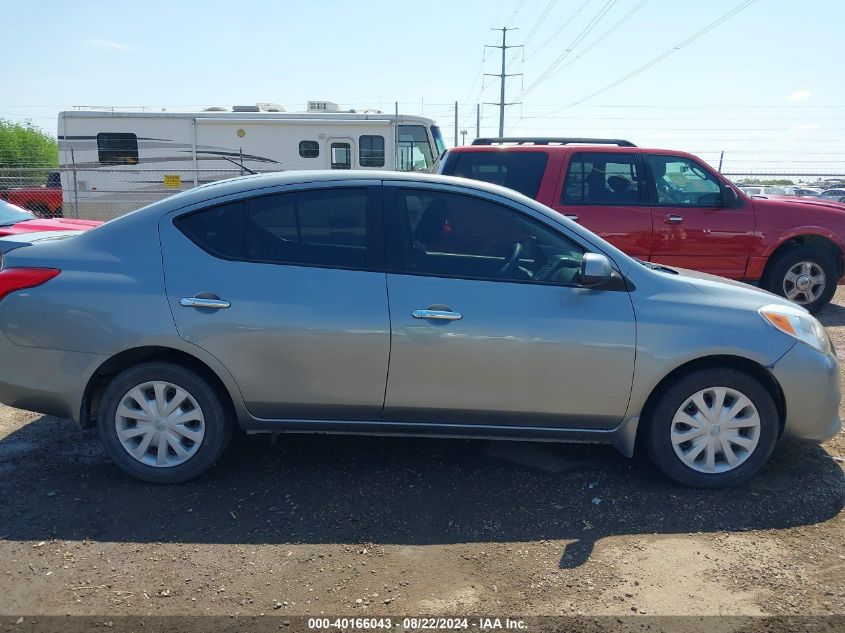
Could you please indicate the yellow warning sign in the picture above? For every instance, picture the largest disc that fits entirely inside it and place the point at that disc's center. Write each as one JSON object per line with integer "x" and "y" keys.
{"x": 172, "y": 181}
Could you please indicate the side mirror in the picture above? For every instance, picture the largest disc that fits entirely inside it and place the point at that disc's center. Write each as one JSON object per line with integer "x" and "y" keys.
{"x": 595, "y": 269}
{"x": 729, "y": 197}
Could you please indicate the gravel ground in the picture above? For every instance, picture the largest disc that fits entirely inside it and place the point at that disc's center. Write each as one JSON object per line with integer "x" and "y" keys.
{"x": 368, "y": 526}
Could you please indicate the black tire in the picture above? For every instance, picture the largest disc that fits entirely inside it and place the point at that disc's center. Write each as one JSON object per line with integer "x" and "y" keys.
{"x": 658, "y": 428}
{"x": 775, "y": 277}
{"x": 218, "y": 425}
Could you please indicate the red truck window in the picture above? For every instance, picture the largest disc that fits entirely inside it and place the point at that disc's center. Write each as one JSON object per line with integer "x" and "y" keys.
{"x": 604, "y": 178}
{"x": 521, "y": 171}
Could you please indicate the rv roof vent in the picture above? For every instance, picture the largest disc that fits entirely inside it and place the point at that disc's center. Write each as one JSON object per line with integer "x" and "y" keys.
{"x": 216, "y": 109}
{"x": 323, "y": 106}
{"x": 270, "y": 107}
{"x": 246, "y": 108}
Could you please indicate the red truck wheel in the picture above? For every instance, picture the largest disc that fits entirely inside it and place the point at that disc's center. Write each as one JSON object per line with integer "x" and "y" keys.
{"x": 805, "y": 276}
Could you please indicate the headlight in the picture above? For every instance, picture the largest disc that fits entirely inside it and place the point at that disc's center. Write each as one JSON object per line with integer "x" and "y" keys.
{"x": 797, "y": 323}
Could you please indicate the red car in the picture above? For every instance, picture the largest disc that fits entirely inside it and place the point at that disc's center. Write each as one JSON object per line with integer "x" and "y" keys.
{"x": 14, "y": 220}
{"x": 671, "y": 208}
{"x": 45, "y": 201}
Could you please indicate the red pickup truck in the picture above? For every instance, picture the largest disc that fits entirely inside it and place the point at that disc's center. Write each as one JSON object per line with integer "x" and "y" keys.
{"x": 45, "y": 201}
{"x": 671, "y": 208}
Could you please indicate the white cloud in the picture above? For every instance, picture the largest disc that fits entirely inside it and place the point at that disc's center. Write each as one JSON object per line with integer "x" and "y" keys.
{"x": 108, "y": 45}
{"x": 799, "y": 95}
{"x": 806, "y": 126}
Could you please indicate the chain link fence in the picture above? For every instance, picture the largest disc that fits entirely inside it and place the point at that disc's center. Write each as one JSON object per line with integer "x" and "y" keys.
{"x": 101, "y": 193}
{"x": 104, "y": 193}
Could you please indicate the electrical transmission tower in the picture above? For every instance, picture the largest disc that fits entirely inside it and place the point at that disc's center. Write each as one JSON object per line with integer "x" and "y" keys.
{"x": 502, "y": 76}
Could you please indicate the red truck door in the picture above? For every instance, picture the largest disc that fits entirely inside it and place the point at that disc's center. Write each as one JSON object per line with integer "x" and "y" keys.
{"x": 606, "y": 192}
{"x": 691, "y": 227}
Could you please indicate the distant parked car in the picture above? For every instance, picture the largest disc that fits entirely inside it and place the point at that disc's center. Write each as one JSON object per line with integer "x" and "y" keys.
{"x": 833, "y": 194}
{"x": 767, "y": 190}
{"x": 399, "y": 304}
{"x": 44, "y": 201}
{"x": 15, "y": 220}
{"x": 806, "y": 192}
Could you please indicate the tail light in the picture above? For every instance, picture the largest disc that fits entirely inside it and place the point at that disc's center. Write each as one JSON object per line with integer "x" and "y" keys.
{"x": 13, "y": 279}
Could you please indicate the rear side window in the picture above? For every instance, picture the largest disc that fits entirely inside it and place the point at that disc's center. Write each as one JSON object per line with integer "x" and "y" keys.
{"x": 371, "y": 150}
{"x": 117, "y": 148}
{"x": 326, "y": 227}
{"x": 604, "y": 178}
{"x": 521, "y": 171}
{"x": 219, "y": 230}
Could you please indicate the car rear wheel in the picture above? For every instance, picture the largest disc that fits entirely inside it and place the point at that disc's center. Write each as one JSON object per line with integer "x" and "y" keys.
{"x": 804, "y": 275}
{"x": 713, "y": 428}
{"x": 162, "y": 423}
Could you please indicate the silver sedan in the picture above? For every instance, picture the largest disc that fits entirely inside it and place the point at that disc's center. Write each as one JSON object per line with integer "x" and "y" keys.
{"x": 384, "y": 303}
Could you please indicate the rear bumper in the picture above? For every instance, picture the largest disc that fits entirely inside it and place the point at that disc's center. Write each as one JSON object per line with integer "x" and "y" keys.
{"x": 45, "y": 380}
{"x": 810, "y": 383}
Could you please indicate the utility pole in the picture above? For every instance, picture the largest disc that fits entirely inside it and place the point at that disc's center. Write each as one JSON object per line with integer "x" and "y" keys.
{"x": 456, "y": 122}
{"x": 477, "y": 120}
{"x": 463, "y": 137}
{"x": 502, "y": 76}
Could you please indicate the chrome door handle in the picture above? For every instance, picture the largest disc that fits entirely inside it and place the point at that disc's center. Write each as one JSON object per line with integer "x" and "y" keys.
{"x": 571, "y": 216}
{"x": 674, "y": 219}
{"x": 445, "y": 315}
{"x": 202, "y": 302}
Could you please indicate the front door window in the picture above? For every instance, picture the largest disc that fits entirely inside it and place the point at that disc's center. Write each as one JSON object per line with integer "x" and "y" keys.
{"x": 681, "y": 182}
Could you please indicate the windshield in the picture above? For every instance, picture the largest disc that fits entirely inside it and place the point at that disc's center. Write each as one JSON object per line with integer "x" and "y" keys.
{"x": 10, "y": 214}
{"x": 413, "y": 151}
{"x": 439, "y": 143}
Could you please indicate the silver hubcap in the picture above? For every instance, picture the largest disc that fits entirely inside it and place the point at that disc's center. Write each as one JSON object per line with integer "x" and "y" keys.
{"x": 159, "y": 424}
{"x": 715, "y": 430}
{"x": 804, "y": 282}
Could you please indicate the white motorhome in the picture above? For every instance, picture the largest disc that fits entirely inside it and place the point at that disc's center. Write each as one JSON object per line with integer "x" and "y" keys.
{"x": 116, "y": 161}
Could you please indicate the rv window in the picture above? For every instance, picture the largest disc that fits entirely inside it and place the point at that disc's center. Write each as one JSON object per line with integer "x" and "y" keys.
{"x": 413, "y": 149}
{"x": 309, "y": 149}
{"x": 117, "y": 148}
{"x": 371, "y": 151}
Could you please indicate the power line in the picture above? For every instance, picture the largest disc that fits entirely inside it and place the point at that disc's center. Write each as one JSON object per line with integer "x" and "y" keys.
{"x": 578, "y": 39}
{"x": 515, "y": 12}
{"x": 603, "y": 36}
{"x": 665, "y": 54}
{"x": 561, "y": 28}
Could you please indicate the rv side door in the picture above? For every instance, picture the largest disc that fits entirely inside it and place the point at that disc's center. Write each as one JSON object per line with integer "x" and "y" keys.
{"x": 341, "y": 153}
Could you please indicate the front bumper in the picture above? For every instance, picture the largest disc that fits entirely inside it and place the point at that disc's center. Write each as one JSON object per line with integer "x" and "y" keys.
{"x": 810, "y": 383}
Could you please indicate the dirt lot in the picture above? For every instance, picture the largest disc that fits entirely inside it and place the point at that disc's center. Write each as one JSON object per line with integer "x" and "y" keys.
{"x": 406, "y": 526}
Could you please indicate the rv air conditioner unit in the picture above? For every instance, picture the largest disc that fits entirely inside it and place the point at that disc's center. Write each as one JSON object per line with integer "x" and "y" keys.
{"x": 323, "y": 106}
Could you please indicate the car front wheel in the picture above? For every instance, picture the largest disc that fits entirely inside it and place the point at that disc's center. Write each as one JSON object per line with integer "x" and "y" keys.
{"x": 713, "y": 428}
{"x": 804, "y": 275}
{"x": 162, "y": 423}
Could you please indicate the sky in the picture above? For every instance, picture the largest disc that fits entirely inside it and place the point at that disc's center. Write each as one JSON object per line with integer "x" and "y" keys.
{"x": 764, "y": 85}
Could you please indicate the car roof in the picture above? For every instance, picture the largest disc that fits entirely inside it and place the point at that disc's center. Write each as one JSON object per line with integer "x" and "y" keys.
{"x": 293, "y": 177}
{"x": 563, "y": 149}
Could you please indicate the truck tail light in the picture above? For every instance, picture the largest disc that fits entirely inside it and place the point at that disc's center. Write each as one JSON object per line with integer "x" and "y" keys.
{"x": 14, "y": 279}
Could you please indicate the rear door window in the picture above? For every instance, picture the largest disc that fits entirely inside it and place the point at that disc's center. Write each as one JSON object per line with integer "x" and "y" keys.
{"x": 318, "y": 228}
{"x": 324, "y": 227}
{"x": 521, "y": 171}
{"x": 604, "y": 178}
